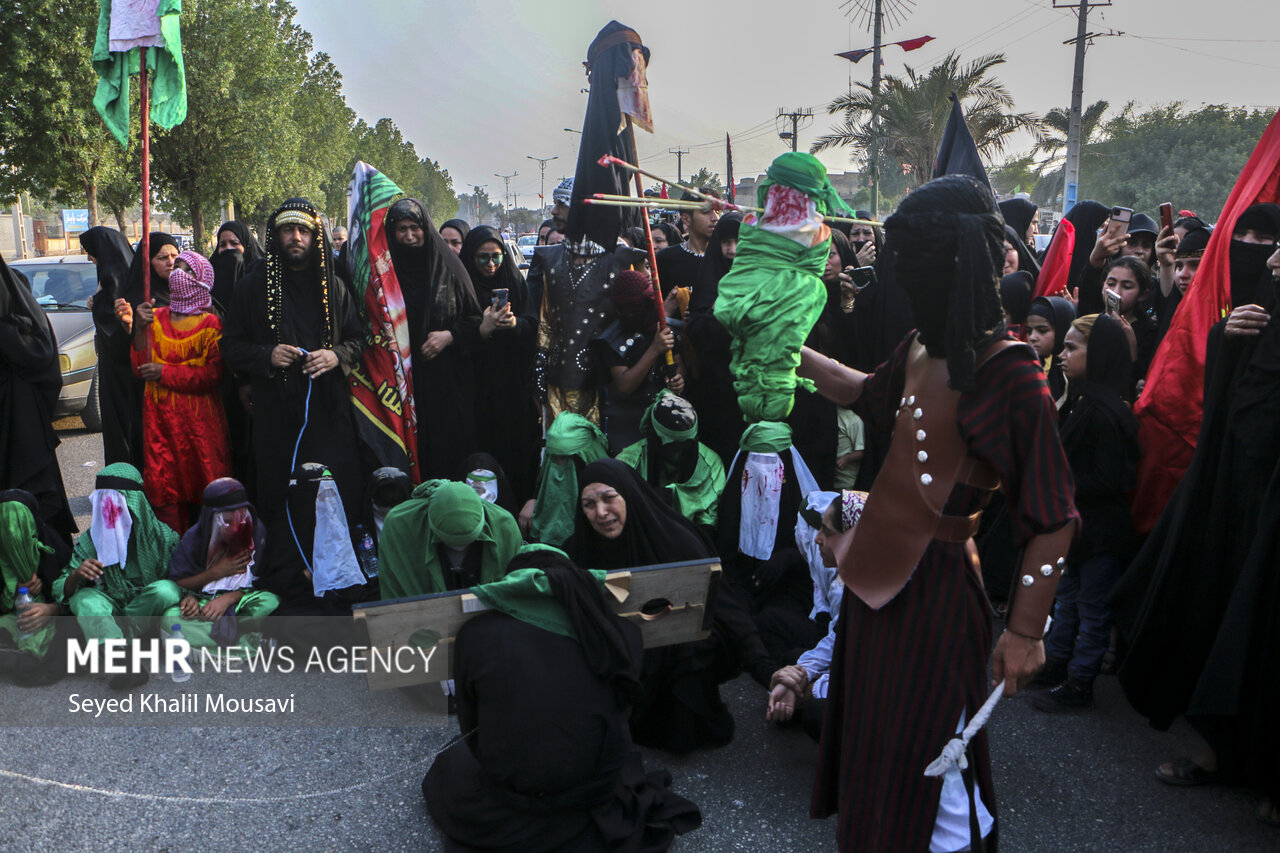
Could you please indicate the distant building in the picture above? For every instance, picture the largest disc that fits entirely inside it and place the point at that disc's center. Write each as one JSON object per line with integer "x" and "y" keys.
{"x": 847, "y": 185}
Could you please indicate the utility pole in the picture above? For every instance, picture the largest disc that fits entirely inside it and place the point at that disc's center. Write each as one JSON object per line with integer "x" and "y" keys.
{"x": 1071, "y": 178}
{"x": 475, "y": 196}
{"x": 506, "y": 188}
{"x": 542, "y": 168}
{"x": 877, "y": 31}
{"x": 679, "y": 152}
{"x": 794, "y": 118}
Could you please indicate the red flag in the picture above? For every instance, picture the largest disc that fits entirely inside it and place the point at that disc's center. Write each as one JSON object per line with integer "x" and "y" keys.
{"x": 664, "y": 194}
{"x": 856, "y": 55}
{"x": 1172, "y": 401}
{"x": 914, "y": 44}
{"x": 1057, "y": 260}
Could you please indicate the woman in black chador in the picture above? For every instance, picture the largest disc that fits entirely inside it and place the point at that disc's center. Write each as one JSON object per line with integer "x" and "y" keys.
{"x": 1200, "y": 605}
{"x": 506, "y": 411}
{"x": 444, "y": 332}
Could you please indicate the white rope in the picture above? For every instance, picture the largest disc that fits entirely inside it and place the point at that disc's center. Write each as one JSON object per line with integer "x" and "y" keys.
{"x": 952, "y": 754}
{"x": 225, "y": 801}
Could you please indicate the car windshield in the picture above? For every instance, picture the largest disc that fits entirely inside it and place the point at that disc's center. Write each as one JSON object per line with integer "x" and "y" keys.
{"x": 61, "y": 287}
{"x": 528, "y": 239}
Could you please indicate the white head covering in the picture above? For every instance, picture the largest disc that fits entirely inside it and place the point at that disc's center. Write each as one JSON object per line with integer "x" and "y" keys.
{"x": 485, "y": 483}
{"x": 334, "y": 564}
{"x": 109, "y": 530}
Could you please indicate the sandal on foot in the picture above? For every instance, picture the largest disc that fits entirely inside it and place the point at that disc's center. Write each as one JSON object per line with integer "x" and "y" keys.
{"x": 1185, "y": 773}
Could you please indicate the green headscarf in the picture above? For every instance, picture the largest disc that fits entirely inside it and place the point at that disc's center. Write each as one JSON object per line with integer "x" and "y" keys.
{"x": 408, "y": 556}
{"x": 151, "y": 544}
{"x": 803, "y": 172}
{"x": 526, "y": 595}
{"x": 455, "y": 514}
{"x": 667, "y": 434}
{"x": 20, "y": 550}
{"x": 572, "y": 436}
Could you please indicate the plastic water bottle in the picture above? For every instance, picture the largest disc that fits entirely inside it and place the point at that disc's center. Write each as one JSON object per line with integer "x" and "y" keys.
{"x": 21, "y": 603}
{"x": 176, "y": 672}
{"x": 367, "y": 554}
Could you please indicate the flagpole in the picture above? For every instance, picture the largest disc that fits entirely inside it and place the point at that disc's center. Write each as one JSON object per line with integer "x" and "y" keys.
{"x": 146, "y": 176}
{"x": 653, "y": 256}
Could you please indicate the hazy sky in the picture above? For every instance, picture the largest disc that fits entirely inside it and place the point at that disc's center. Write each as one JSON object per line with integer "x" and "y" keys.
{"x": 478, "y": 86}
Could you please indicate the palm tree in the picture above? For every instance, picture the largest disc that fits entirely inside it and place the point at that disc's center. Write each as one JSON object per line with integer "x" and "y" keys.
{"x": 1053, "y": 147}
{"x": 907, "y": 119}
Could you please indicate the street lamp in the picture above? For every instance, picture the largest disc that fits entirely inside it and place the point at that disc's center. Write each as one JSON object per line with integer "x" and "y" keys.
{"x": 542, "y": 167}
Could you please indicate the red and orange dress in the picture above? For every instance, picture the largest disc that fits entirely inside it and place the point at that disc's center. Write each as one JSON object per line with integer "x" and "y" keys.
{"x": 184, "y": 427}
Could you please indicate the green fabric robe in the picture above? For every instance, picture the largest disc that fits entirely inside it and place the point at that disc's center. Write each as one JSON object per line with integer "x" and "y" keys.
{"x": 409, "y": 559}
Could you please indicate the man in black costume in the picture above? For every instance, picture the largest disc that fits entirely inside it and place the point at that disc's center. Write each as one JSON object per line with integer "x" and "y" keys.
{"x": 444, "y": 333}
{"x": 290, "y": 327}
{"x": 30, "y": 381}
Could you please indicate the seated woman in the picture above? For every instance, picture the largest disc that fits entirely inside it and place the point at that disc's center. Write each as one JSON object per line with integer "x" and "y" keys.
{"x": 29, "y": 555}
{"x": 622, "y": 523}
{"x": 388, "y": 488}
{"x": 118, "y": 573}
{"x": 214, "y": 565}
{"x": 545, "y": 683}
{"x": 573, "y": 442}
{"x": 444, "y": 538}
{"x": 672, "y": 460}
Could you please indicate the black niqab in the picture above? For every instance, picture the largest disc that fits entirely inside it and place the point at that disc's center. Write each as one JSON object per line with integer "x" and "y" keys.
{"x": 947, "y": 239}
{"x": 1087, "y": 217}
{"x": 231, "y": 265}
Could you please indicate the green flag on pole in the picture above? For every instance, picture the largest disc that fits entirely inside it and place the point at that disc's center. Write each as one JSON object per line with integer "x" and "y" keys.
{"x": 132, "y": 24}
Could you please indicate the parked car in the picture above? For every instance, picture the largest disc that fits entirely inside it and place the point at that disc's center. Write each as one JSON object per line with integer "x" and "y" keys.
{"x": 514, "y": 251}
{"x": 526, "y": 243}
{"x": 63, "y": 286}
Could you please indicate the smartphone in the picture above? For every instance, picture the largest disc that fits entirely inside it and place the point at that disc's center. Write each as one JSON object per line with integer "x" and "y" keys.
{"x": 1120, "y": 217}
{"x": 1112, "y": 300}
{"x": 1166, "y": 215}
{"x": 501, "y": 296}
{"x": 862, "y": 277}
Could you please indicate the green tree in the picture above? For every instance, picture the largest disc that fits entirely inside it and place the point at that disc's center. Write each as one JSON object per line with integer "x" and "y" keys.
{"x": 1169, "y": 154}
{"x": 52, "y": 140}
{"x": 907, "y": 119}
{"x": 241, "y": 139}
{"x": 1052, "y": 148}
{"x": 1018, "y": 173}
{"x": 704, "y": 177}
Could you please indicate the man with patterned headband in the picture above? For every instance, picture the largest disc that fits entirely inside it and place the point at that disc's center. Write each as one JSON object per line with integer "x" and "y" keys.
{"x": 292, "y": 329}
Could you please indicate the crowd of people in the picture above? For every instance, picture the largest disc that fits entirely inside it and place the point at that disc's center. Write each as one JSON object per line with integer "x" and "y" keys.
{"x": 587, "y": 416}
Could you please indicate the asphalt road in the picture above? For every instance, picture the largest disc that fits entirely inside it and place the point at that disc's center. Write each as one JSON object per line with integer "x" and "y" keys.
{"x": 342, "y": 772}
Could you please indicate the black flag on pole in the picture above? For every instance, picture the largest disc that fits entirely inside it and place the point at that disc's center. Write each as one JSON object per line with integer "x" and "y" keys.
{"x": 958, "y": 153}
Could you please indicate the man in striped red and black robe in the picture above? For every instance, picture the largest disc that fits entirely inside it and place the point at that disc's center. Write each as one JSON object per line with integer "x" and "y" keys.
{"x": 969, "y": 410}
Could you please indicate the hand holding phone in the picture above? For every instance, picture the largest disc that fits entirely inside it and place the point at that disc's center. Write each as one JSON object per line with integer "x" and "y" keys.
{"x": 1118, "y": 224}
{"x": 1112, "y": 300}
{"x": 500, "y": 299}
{"x": 1166, "y": 215}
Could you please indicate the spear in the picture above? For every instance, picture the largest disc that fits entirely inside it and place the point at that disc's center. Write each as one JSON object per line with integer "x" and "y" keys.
{"x": 718, "y": 204}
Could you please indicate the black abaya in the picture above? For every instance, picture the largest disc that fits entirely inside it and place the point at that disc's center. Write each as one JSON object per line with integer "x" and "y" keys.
{"x": 506, "y": 413}
{"x": 30, "y": 382}
{"x": 548, "y": 764}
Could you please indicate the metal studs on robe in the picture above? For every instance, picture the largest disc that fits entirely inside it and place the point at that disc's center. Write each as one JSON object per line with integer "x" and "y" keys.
{"x": 1046, "y": 570}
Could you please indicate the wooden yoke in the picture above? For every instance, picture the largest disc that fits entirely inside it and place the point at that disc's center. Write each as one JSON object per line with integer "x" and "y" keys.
{"x": 671, "y": 603}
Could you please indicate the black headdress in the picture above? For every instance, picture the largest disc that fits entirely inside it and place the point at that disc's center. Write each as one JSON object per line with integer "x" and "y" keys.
{"x": 299, "y": 211}
{"x": 1018, "y": 213}
{"x": 451, "y": 294}
{"x": 604, "y": 132}
{"x": 947, "y": 239}
{"x": 230, "y": 266}
{"x": 114, "y": 255}
{"x": 507, "y": 275}
{"x": 159, "y": 287}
